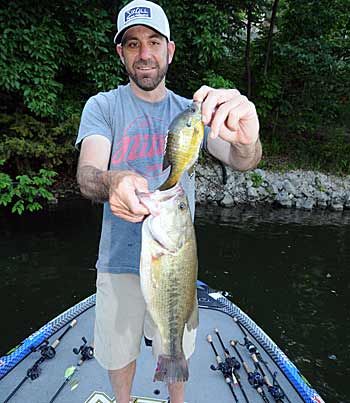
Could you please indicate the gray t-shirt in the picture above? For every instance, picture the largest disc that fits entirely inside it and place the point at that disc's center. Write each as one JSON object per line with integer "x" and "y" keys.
{"x": 137, "y": 132}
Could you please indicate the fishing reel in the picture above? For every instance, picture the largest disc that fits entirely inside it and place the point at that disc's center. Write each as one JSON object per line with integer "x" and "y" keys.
{"x": 276, "y": 393}
{"x": 255, "y": 379}
{"x": 275, "y": 390}
{"x": 34, "y": 372}
{"x": 250, "y": 346}
{"x": 224, "y": 368}
{"x": 46, "y": 351}
{"x": 233, "y": 362}
{"x": 86, "y": 351}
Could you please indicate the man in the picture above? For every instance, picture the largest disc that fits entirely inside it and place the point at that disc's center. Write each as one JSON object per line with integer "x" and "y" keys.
{"x": 121, "y": 139}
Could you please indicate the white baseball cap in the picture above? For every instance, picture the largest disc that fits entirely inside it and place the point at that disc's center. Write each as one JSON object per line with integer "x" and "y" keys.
{"x": 142, "y": 12}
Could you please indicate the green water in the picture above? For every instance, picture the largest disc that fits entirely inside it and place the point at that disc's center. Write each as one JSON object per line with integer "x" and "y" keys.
{"x": 289, "y": 270}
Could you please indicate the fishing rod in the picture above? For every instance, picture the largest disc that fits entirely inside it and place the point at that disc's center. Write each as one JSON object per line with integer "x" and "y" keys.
{"x": 87, "y": 353}
{"x": 47, "y": 352}
{"x": 233, "y": 363}
{"x": 254, "y": 377}
{"x": 275, "y": 389}
{"x": 224, "y": 369}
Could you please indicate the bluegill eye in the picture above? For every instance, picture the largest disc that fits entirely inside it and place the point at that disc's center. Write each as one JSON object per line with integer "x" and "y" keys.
{"x": 188, "y": 123}
{"x": 182, "y": 205}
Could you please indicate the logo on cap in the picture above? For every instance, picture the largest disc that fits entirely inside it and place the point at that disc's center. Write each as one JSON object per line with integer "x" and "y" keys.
{"x": 137, "y": 12}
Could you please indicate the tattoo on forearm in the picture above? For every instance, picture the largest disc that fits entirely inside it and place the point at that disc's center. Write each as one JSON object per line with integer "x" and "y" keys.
{"x": 93, "y": 183}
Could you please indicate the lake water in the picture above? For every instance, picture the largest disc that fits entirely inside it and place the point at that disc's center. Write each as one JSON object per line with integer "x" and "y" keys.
{"x": 289, "y": 270}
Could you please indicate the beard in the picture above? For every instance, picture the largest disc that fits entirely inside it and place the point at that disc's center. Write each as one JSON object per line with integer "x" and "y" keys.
{"x": 147, "y": 82}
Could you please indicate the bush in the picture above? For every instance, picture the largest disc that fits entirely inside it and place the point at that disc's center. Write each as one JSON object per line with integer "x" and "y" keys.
{"x": 27, "y": 144}
{"x": 54, "y": 55}
{"x": 26, "y": 192}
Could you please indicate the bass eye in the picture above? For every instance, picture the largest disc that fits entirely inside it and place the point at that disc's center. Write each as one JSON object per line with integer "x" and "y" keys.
{"x": 182, "y": 206}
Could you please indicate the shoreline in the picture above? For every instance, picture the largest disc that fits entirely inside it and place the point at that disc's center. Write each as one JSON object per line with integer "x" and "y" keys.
{"x": 295, "y": 189}
{"x": 299, "y": 189}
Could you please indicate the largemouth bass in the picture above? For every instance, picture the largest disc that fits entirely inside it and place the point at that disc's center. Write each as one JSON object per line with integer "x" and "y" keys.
{"x": 184, "y": 138}
{"x": 168, "y": 272}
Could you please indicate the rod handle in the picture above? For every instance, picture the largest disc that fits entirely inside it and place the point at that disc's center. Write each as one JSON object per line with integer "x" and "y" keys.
{"x": 57, "y": 342}
{"x": 73, "y": 323}
{"x": 246, "y": 367}
{"x": 234, "y": 379}
{"x": 218, "y": 358}
{"x": 267, "y": 382}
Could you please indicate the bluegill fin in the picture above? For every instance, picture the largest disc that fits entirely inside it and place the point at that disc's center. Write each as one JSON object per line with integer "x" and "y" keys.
{"x": 171, "y": 369}
{"x": 193, "y": 320}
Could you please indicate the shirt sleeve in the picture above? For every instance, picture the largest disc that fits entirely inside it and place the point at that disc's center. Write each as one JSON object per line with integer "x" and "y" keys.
{"x": 94, "y": 120}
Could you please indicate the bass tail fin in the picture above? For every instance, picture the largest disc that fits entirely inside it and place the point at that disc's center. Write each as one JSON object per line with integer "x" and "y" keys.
{"x": 171, "y": 369}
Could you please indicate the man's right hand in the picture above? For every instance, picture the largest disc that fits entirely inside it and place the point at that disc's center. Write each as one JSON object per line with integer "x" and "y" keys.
{"x": 123, "y": 199}
{"x": 100, "y": 184}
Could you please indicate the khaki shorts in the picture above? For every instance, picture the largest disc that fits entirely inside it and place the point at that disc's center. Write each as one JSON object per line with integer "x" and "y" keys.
{"x": 121, "y": 320}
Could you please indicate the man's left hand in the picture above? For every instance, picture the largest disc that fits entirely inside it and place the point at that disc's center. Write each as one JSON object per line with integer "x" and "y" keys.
{"x": 229, "y": 114}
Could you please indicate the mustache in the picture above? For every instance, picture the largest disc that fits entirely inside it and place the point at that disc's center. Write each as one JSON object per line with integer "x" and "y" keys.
{"x": 145, "y": 63}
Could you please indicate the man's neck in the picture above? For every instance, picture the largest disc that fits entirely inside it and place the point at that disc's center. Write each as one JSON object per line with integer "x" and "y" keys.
{"x": 155, "y": 95}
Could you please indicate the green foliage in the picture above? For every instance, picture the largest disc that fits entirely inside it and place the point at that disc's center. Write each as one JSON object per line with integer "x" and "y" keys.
{"x": 27, "y": 144}
{"x": 198, "y": 29}
{"x": 256, "y": 179}
{"x": 327, "y": 152}
{"x": 270, "y": 93}
{"x": 55, "y": 55}
{"x": 310, "y": 65}
{"x": 50, "y": 49}
{"x": 25, "y": 193}
{"x": 215, "y": 80}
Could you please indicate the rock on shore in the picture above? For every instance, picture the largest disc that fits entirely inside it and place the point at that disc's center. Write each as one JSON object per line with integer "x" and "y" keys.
{"x": 294, "y": 189}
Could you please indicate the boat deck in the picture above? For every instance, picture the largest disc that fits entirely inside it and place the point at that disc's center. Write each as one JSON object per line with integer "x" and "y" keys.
{"x": 91, "y": 384}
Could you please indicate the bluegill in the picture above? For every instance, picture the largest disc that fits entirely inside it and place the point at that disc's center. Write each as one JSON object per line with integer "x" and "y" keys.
{"x": 184, "y": 139}
{"x": 168, "y": 274}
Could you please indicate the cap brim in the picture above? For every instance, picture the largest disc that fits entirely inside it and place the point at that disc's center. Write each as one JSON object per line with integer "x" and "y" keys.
{"x": 119, "y": 35}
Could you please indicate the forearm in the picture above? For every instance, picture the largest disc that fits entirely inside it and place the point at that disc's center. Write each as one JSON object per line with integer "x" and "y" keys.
{"x": 118, "y": 187}
{"x": 245, "y": 157}
{"x": 241, "y": 157}
{"x": 94, "y": 183}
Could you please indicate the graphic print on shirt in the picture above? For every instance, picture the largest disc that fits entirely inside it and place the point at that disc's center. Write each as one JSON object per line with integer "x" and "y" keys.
{"x": 141, "y": 147}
